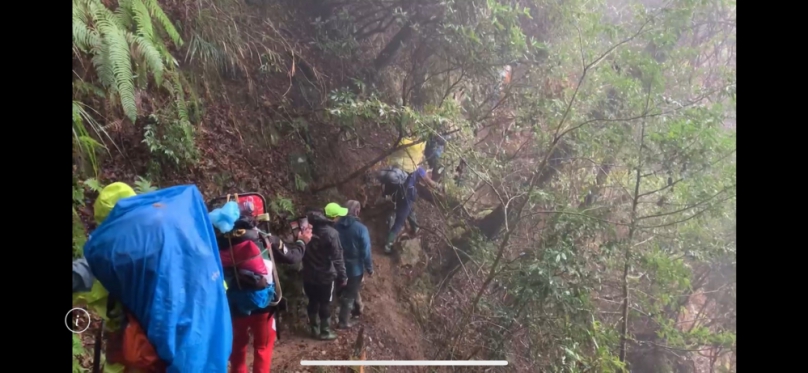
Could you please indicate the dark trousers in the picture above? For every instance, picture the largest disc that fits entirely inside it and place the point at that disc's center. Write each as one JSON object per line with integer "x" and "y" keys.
{"x": 350, "y": 299}
{"x": 320, "y": 297}
{"x": 405, "y": 211}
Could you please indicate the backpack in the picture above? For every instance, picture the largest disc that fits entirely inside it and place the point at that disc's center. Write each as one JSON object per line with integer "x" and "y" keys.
{"x": 393, "y": 176}
{"x": 248, "y": 290}
{"x": 131, "y": 348}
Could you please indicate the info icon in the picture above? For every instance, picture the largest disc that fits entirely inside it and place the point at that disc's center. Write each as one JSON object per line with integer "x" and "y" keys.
{"x": 77, "y": 320}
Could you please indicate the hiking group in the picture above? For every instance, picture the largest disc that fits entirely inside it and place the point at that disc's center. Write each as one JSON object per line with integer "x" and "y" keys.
{"x": 172, "y": 305}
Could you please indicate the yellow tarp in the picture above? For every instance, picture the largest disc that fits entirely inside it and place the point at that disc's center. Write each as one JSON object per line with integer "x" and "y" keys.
{"x": 408, "y": 158}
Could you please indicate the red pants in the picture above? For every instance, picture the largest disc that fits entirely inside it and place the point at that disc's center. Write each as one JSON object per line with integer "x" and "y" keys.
{"x": 263, "y": 330}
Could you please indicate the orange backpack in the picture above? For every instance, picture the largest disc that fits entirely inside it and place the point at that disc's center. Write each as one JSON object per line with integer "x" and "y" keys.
{"x": 131, "y": 348}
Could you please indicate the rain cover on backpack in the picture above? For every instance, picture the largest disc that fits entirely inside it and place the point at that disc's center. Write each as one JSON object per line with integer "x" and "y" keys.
{"x": 157, "y": 254}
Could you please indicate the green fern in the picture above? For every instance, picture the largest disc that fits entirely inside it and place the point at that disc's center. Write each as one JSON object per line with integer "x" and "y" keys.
{"x": 142, "y": 185}
{"x": 118, "y": 51}
{"x": 150, "y": 54}
{"x": 141, "y": 15}
{"x": 281, "y": 204}
{"x": 124, "y": 44}
{"x": 117, "y": 39}
{"x": 162, "y": 18}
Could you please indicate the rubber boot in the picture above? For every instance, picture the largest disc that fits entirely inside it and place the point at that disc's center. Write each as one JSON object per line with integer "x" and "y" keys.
{"x": 358, "y": 307}
{"x": 314, "y": 327}
{"x": 344, "y": 309}
{"x": 326, "y": 334}
{"x": 391, "y": 238}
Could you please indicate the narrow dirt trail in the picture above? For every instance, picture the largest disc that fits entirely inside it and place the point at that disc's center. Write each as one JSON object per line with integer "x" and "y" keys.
{"x": 390, "y": 331}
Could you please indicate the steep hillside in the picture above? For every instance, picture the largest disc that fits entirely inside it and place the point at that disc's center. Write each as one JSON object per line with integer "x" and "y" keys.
{"x": 587, "y": 222}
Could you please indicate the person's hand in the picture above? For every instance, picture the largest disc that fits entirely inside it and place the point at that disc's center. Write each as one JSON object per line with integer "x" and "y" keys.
{"x": 344, "y": 283}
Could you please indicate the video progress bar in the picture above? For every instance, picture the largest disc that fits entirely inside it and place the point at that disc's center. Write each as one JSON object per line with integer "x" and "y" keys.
{"x": 407, "y": 363}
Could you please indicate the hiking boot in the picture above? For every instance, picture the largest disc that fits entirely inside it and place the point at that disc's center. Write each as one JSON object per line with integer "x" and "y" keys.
{"x": 388, "y": 249}
{"x": 326, "y": 334}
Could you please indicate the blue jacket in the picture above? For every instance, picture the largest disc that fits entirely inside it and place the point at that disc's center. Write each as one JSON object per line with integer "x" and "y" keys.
{"x": 355, "y": 241}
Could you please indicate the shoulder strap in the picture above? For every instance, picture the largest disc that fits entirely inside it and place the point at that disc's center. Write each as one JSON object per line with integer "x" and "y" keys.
{"x": 279, "y": 291}
{"x": 233, "y": 257}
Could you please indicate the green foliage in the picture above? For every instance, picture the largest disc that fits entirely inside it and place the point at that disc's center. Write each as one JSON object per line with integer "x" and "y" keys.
{"x": 335, "y": 37}
{"x": 347, "y": 110}
{"x": 127, "y": 45}
{"x": 86, "y": 145}
{"x": 143, "y": 185}
{"x": 281, "y": 204}
{"x": 78, "y": 349}
{"x": 79, "y": 233}
{"x": 117, "y": 39}
{"x": 300, "y": 184}
{"x": 632, "y": 164}
{"x": 171, "y": 138}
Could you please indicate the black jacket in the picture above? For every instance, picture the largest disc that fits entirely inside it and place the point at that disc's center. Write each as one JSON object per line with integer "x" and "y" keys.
{"x": 322, "y": 262}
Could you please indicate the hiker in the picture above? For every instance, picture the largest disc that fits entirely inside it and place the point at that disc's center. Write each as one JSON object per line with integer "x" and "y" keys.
{"x": 153, "y": 254}
{"x": 433, "y": 152}
{"x": 322, "y": 266}
{"x": 85, "y": 287}
{"x": 260, "y": 321}
{"x": 251, "y": 284}
{"x": 405, "y": 205}
{"x": 355, "y": 240}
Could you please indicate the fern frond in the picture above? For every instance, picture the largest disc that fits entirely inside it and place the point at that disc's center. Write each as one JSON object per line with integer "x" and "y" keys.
{"x": 103, "y": 22}
{"x": 103, "y": 67}
{"x": 118, "y": 58}
{"x": 142, "y": 20}
{"x": 124, "y": 14}
{"x": 162, "y": 18}
{"x": 150, "y": 55}
{"x": 100, "y": 12}
{"x": 84, "y": 37}
{"x": 182, "y": 106}
{"x": 167, "y": 57}
{"x": 173, "y": 85}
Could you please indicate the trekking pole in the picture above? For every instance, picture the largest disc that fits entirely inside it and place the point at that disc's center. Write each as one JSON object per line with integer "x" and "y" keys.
{"x": 97, "y": 348}
{"x": 278, "y": 325}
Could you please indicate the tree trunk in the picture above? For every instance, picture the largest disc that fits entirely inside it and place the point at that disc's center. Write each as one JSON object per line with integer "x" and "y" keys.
{"x": 393, "y": 47}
